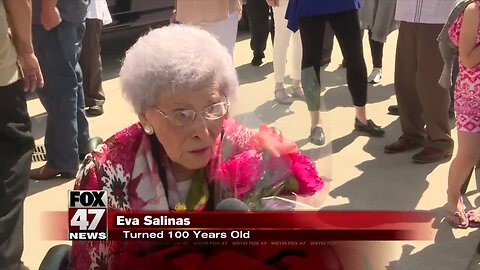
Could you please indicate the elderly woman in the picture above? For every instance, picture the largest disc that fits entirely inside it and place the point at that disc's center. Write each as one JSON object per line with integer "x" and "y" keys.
{"x": 180, "y": 81}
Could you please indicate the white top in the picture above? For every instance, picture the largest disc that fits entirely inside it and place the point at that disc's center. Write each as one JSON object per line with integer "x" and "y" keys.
{"x": 98, "y": 9}
{"x": 424, "y": 11}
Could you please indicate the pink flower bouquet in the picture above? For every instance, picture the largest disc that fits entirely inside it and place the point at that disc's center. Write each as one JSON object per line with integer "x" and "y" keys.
{"x": 274, "y": 167}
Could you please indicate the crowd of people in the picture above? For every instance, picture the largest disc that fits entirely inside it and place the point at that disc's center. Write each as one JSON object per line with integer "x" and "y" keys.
{"x": 190, "y": 67}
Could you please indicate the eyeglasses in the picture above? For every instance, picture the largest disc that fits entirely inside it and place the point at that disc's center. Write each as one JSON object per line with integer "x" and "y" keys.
{"x": 184, "y": 117}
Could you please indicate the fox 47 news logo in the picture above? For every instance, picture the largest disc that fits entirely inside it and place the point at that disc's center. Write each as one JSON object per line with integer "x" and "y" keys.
{"x": 87, "y": 215}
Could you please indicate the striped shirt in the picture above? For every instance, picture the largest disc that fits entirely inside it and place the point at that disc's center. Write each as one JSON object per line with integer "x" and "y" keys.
{"x": 424, "y": 11}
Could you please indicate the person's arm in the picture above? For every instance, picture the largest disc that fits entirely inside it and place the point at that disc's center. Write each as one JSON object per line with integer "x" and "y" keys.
{"x": 50, "y": 16}
{"x": 19, "y": 13}
{"x": 272, "y": 3}
{"x": 469, "y": 52}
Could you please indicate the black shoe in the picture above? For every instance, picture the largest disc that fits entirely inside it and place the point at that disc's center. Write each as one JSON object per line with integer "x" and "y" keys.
{"x": 257, "y": 60}
{"x": 370, "y": 128}
{"x": 95, "y": 110}
{"x": 393, "y": 110}
{"x": 92, "y": 144}
{"x": 317, "y": 136}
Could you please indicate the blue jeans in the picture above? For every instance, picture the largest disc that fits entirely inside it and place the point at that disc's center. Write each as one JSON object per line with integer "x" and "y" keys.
{"x": 58, "y": 51}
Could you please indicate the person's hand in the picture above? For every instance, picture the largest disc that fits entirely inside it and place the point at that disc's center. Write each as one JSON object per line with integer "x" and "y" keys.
{"x": 32, "y": 75}
{"x": 272, "y": 3}
{"x": 173, "y": 18}
{"x": 50, "y": 18}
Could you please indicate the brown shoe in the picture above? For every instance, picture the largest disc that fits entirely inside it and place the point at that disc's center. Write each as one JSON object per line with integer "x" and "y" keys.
{"x": 401, "y": 145}
{"x": 47, "y": 172}
{"x": 431, "y": 154}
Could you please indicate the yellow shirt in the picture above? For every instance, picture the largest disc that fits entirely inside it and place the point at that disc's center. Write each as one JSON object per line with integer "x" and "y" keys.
{"x": 195, "y": 11}
{"x": 9, "y": 72}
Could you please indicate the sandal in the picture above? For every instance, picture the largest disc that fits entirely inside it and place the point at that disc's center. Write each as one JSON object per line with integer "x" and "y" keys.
{"x": 282, "y": 97}
{"x": 455, "y": 219}
{"x": 298, "y": 93}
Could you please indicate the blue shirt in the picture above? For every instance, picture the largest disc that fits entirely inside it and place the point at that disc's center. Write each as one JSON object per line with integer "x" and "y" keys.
{"x": 304, "y": 8}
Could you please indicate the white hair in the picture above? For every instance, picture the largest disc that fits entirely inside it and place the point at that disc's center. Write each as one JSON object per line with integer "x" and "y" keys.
{"x": 171, "y": 58}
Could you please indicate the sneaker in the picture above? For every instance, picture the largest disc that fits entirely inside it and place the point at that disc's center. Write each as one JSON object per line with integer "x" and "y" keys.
{"x": 375, "y": 76}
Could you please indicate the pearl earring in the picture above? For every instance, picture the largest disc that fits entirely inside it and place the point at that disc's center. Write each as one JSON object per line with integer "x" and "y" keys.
{"x": 148, "y": 129}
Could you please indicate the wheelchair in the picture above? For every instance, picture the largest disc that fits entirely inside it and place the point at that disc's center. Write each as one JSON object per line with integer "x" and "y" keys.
{"x": 57, "y": 258}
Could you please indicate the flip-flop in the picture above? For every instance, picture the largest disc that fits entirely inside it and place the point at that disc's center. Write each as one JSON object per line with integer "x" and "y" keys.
{"x": 458, "y": 215}
{"x": 451, "y": 217}
{"x": 471, "y": 223}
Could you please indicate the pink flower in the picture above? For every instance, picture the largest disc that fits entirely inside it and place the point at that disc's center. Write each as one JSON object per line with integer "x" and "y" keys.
{"x": 306, "y": 174}
{"x": 241, "y": 172}
{"x": 273, "y": 142}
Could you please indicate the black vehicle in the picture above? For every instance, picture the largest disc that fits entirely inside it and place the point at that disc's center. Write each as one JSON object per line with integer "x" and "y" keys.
{"x": 133, "y": 13}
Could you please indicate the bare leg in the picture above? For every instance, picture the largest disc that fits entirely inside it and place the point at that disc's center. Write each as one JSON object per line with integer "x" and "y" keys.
{"x": 361, "y": 114}
{"x": 467, "y": 156}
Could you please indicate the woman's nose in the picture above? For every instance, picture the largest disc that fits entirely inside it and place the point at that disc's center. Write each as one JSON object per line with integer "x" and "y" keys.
{"x": 200, "y": 128}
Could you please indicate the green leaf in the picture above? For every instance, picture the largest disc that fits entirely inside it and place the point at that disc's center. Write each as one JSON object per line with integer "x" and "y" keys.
{"x": 198, "y": 192}
{"x": 291, "y": 183}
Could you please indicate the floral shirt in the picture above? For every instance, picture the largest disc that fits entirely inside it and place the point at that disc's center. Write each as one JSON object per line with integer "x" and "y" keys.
{"x": 125, "y": 167}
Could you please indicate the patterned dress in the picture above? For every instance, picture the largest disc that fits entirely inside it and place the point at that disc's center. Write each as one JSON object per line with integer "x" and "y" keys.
{"x": 467, "y": 87}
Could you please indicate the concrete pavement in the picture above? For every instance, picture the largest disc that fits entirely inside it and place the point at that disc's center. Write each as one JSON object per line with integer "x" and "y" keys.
{"x": 362, "y": 176}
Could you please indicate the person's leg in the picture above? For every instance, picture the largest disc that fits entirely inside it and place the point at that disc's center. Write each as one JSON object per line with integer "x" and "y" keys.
{"x": 311, "y": 31}
{"x": 347, "y": 30}
{"x": 376, "y": 49}
{"x": 91, "y": 63}
{"x": 406, "y": 61}
{"x": 258, "y": 12}
{"x": 280, "y": 48}
{"x": 327, "y": 46}
{"x": 16, "y": 147}
{"x": 296, "y": 65}
{"x": 280, "y": 44}
{"x": 468, "y": 153}
{"x": 433, "y": 98}
{"x": 67, "y": 126}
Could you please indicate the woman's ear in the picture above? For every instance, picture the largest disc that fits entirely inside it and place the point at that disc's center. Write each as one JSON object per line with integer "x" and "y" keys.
{"x": 142, "y": 118}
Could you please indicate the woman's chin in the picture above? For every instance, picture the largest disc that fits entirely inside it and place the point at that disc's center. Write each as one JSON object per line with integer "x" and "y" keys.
{"x": 197, "y": 162}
